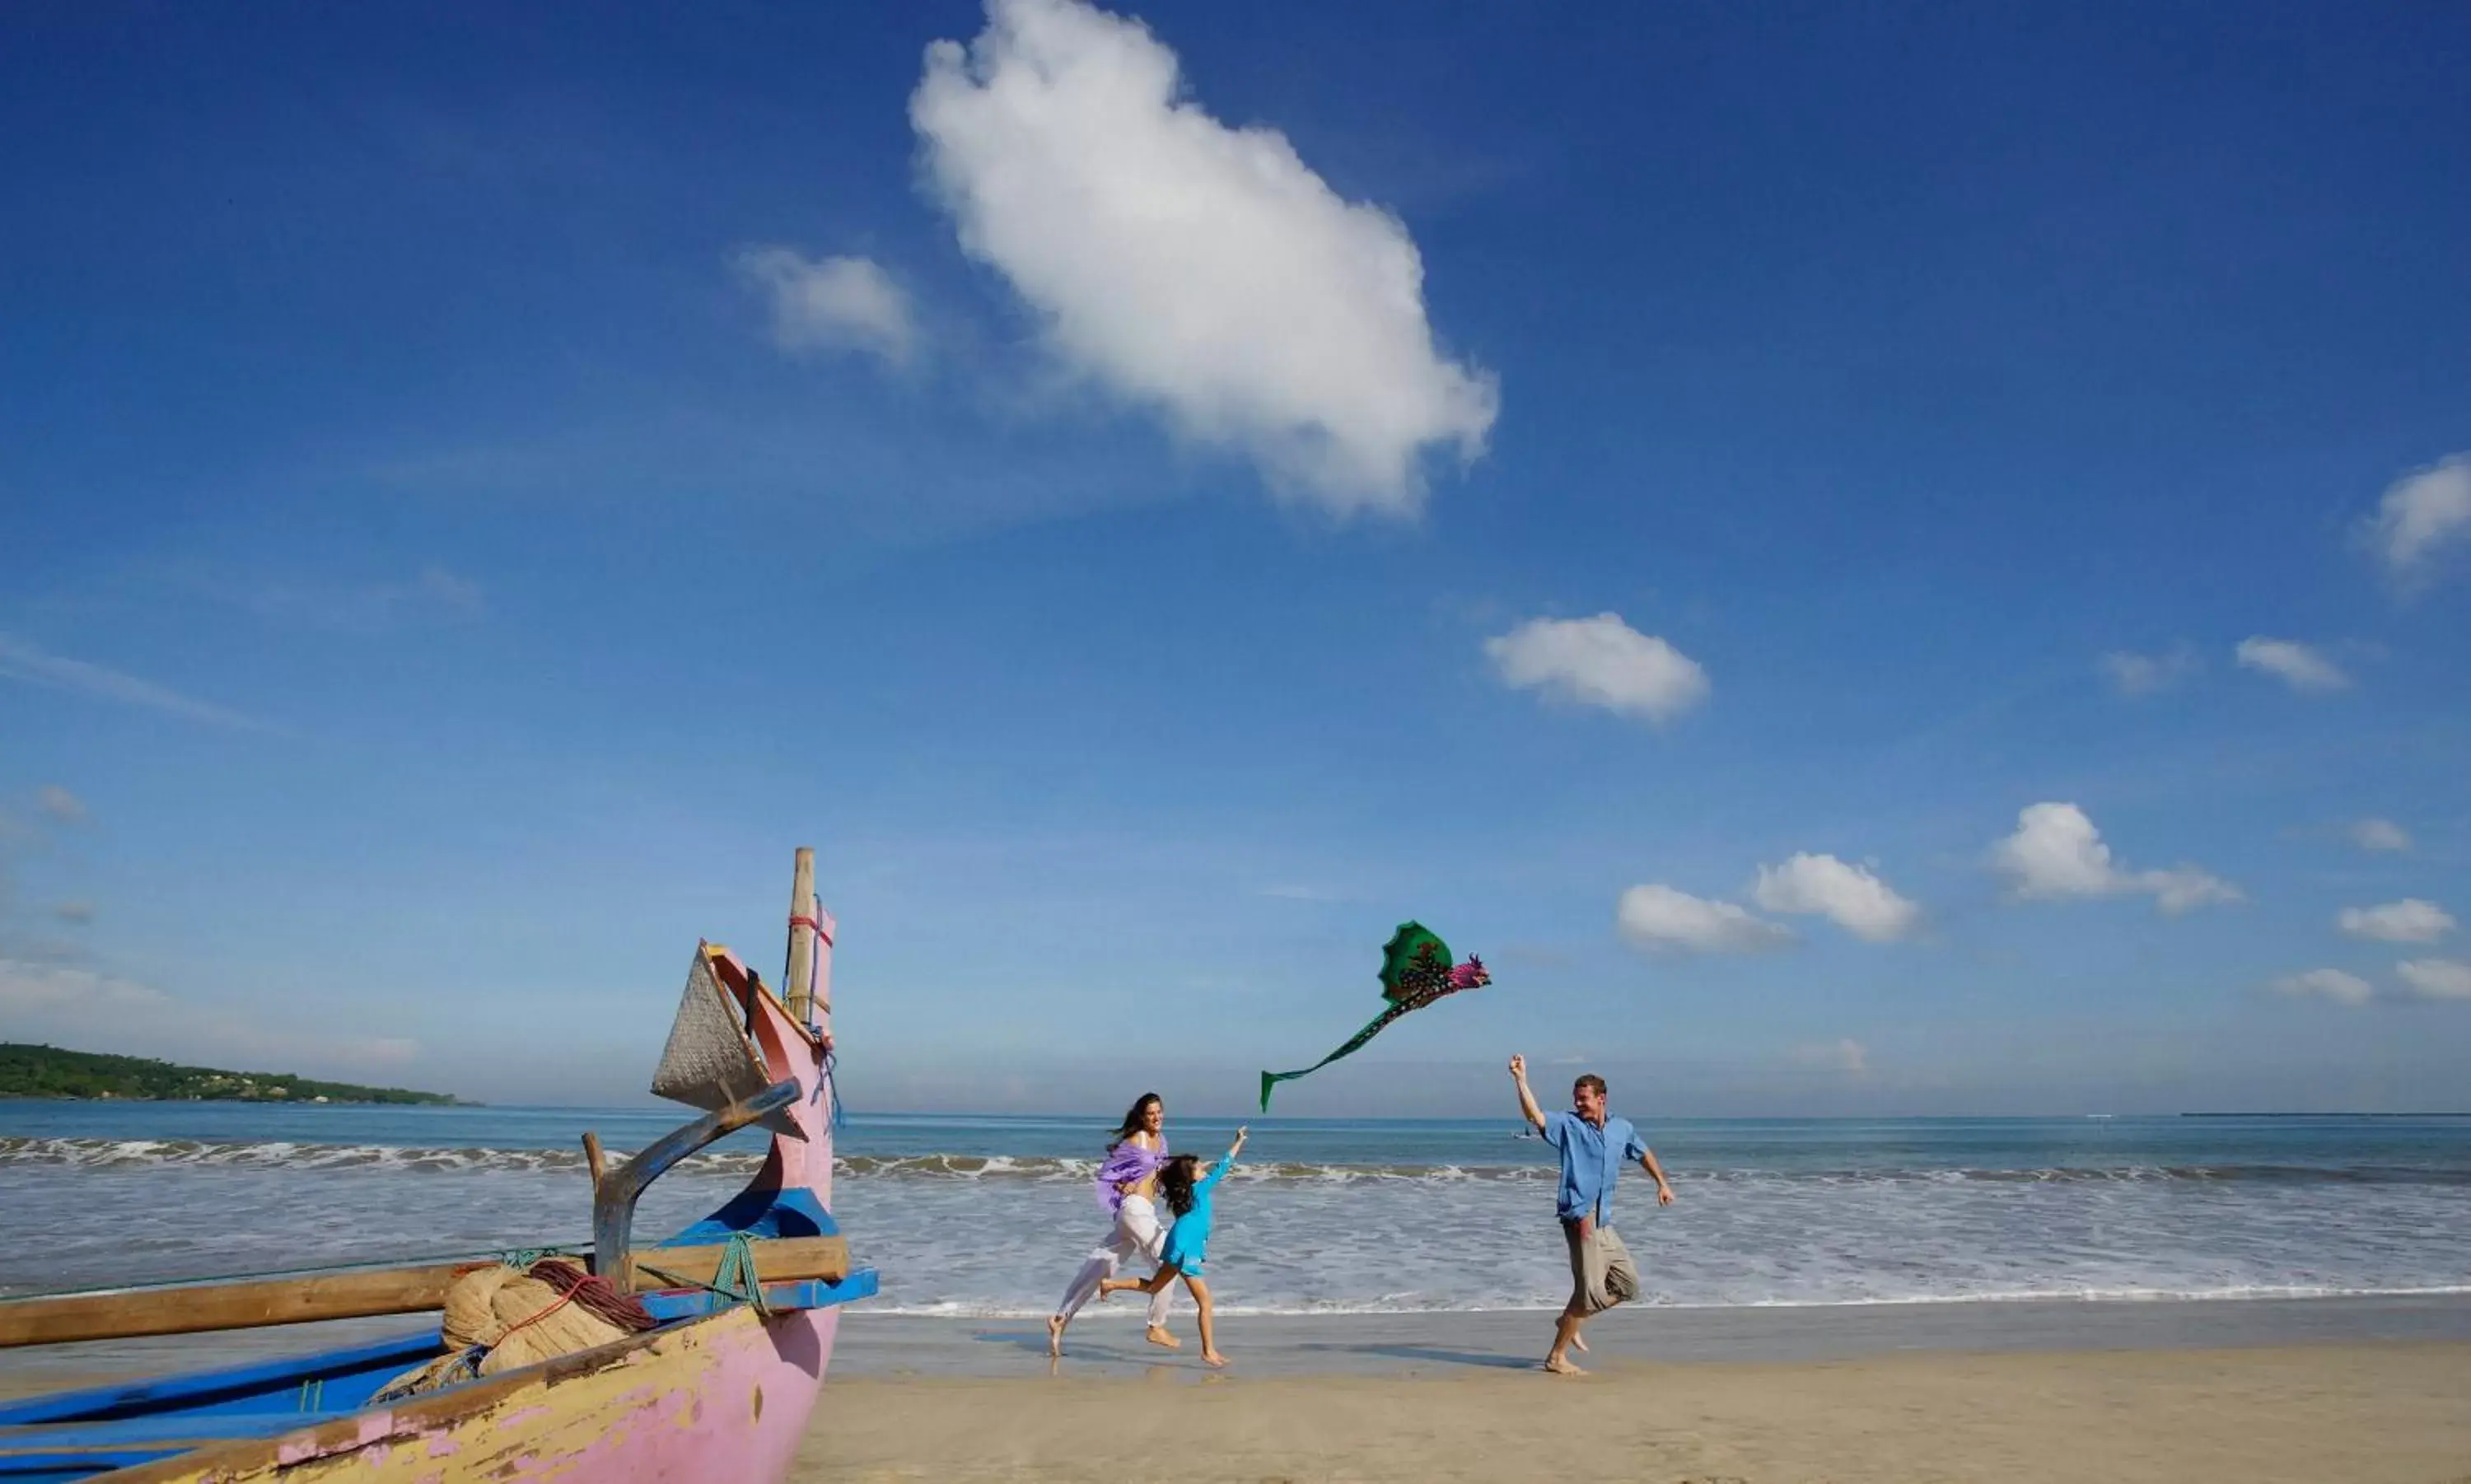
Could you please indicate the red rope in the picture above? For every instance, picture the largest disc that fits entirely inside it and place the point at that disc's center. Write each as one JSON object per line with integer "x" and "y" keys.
{"x": 622, "y": 1310}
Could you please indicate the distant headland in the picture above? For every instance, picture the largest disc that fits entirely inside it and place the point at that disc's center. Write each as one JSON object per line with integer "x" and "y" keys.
{"x": 48, "y": 1071}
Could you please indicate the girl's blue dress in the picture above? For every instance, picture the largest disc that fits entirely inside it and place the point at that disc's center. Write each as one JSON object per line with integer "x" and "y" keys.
{"x": 1187, "y": 1241}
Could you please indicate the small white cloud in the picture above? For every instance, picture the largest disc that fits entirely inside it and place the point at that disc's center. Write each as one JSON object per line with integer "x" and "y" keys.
{"x": 1601, "y": 662}
{"x": 2422, "y": 513}
{"x": 2379, "y": 835}
{"x": 2146, "y": 675}
{"x": 1847, "y": 895}
{"x": 24, "y": 662}
{"x": 1848, "y": 1056}
{"x": 2185, "y": 888}
{"x": 830, "y": 303}
{"x": 62, "y": 806}
{"x": 2056, "y": 852}
{"x": 2296, "y": 665}
{"x": 2410, "y": 920}
{"x": 1660, "y": 917}
{"x": 1194, "y": 267}
{"x": 371, "y": 607}
{"x": 2435, "y": 978}
{"x": 2325, "y": 985}
{"x": 449, "y": 593}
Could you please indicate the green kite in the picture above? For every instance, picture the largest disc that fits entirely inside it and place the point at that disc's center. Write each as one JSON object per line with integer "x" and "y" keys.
{"x": 1416, "y": 970}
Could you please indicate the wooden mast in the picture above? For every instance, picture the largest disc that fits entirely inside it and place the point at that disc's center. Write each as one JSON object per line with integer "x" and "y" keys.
{"x": 796, "y": 997}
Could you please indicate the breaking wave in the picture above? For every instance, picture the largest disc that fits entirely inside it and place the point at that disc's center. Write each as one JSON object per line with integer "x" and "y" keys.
{"x": 107, "y": 1153}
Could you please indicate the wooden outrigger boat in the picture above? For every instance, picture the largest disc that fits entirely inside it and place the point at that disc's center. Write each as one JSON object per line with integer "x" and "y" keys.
{"x": 744, "y": 1306}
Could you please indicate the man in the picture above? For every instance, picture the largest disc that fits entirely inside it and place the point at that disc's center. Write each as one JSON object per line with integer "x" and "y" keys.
{"x": 1594, "y": 1146}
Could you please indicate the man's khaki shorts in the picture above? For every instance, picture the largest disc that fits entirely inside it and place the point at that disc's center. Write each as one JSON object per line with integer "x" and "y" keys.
{"x": 1601, "y": 1274}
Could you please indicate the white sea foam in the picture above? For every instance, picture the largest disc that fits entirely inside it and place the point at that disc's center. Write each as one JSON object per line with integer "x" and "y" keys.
{"x": 1796, "y": 1217}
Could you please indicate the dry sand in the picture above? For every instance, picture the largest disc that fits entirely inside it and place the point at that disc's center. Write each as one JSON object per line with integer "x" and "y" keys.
{"x": 2394, "y": 1413}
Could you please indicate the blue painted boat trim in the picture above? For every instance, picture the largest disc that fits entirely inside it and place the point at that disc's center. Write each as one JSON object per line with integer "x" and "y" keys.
{"x": 816, "y": 1293}
{"x": 200, "y": 1390}
{"x": 763, "y": 1211}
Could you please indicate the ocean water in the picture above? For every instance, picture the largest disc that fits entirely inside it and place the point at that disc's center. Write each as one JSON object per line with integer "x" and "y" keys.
{"x": 966, "y": 1215}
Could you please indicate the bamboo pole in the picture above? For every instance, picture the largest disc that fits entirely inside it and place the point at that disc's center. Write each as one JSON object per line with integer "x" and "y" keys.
{"x": 796, "y": 997}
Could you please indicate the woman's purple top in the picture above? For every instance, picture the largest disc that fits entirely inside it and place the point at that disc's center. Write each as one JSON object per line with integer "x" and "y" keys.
{"x": 1127, "y": 1162}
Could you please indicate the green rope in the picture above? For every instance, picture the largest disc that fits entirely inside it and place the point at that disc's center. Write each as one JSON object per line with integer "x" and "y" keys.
{"x": 735, "y": 1279}
{"x": 522, "y": 1258}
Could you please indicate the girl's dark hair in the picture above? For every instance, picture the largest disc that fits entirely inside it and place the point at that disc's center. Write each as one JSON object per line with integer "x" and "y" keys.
{"x": 1132, "y": 1124}
{"x": 1175, "y": 1182}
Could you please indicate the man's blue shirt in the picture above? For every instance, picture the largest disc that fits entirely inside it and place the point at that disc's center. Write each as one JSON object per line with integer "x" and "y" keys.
{"x": 1591, "y": 1161}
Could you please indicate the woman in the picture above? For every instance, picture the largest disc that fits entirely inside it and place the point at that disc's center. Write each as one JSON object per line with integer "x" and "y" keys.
{"x": 1128, "y": 1187}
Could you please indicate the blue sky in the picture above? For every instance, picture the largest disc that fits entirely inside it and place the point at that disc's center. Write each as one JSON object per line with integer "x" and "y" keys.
{"x": 1901, "y": 560}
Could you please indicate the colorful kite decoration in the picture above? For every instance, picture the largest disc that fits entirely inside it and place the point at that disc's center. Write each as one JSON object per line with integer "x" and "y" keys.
{"x": 1416, "y": 970}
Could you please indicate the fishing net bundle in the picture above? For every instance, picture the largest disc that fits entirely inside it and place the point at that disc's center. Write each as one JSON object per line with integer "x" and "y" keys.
{"x": 502, "y": 1318}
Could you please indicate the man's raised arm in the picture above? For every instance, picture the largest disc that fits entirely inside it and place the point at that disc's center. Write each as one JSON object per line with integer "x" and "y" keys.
{"x": 1526, "y": 1099}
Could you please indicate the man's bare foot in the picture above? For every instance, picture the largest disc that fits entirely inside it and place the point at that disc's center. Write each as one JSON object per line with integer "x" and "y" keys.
{"x": 1212, "y": 1357}
{"x": 1560, "y": 1365}
{"x": 1578, "y": 1343}
{"x": 1055, "y": 1337}
{"x": 1160, "y": 1338}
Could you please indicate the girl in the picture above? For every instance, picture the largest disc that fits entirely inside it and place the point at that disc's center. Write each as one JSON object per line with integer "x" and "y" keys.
{"x": 1187, "y": 1241}
{"x": 1127, "y": 1185}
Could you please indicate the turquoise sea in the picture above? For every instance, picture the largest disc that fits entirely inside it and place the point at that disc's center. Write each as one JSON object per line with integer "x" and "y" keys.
{"x": 986, "y": 1215}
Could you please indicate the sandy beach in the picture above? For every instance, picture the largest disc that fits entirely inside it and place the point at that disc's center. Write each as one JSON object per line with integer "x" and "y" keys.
{"x": 1874, "y": 1396}
{"x": 2365, "y": 1414}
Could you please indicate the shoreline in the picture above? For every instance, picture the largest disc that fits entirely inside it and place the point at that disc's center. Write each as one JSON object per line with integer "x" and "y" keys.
{"x": 1106, "y": 1342}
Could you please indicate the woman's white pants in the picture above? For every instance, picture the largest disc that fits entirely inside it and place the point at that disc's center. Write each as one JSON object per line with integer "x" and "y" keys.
{"x": 1137, "y": 1234}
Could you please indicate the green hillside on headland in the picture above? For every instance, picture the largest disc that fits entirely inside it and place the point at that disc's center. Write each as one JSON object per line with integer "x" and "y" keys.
{"x": 48, "y": 1071}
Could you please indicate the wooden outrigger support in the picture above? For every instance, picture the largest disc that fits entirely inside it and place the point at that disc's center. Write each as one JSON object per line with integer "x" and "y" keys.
{"x": 615, "y": 1194}
{"x": 364, "y": 1293}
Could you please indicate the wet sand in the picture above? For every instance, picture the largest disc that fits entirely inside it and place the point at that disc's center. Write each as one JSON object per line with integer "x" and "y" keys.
{"x": 2356, "y": 1390}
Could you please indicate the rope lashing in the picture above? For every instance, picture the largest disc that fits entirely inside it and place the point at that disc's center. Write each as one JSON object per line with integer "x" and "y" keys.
{"x": 735, "y": 1279}
{"x": 593, "y": 1292}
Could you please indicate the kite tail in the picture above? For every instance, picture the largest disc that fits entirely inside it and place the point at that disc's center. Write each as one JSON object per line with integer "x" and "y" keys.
{"x": 1355, "y": 1044}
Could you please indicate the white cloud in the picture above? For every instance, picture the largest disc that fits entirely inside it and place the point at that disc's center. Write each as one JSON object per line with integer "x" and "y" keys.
{"x": 2058, "y": 853}
{"x": 2422, "y": 512}
{"x": 2145, "y": 675}
{"x": 353, "y": 608}
{"x": 1660, "y": 917}
{"x": 830, "y": 303}
{"x": 1203, "y": 271}
{"x": 61, "y": 805}
{"x": 64, "y": 1006}
{"x": 1601, "y": 662}
{"x": 2325, "y": 985}
{"x": 2435, "y": 978}
{"x": 2379, "y": 835}
{"x": 23, "y": 661}
{"x": 2185, "y": 888}
{"x": 1848, "y": 1056}
{"x": 2410, "y": 920}
{"x": 1847, "y": 895}
{"x": 2302, "y": 668}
